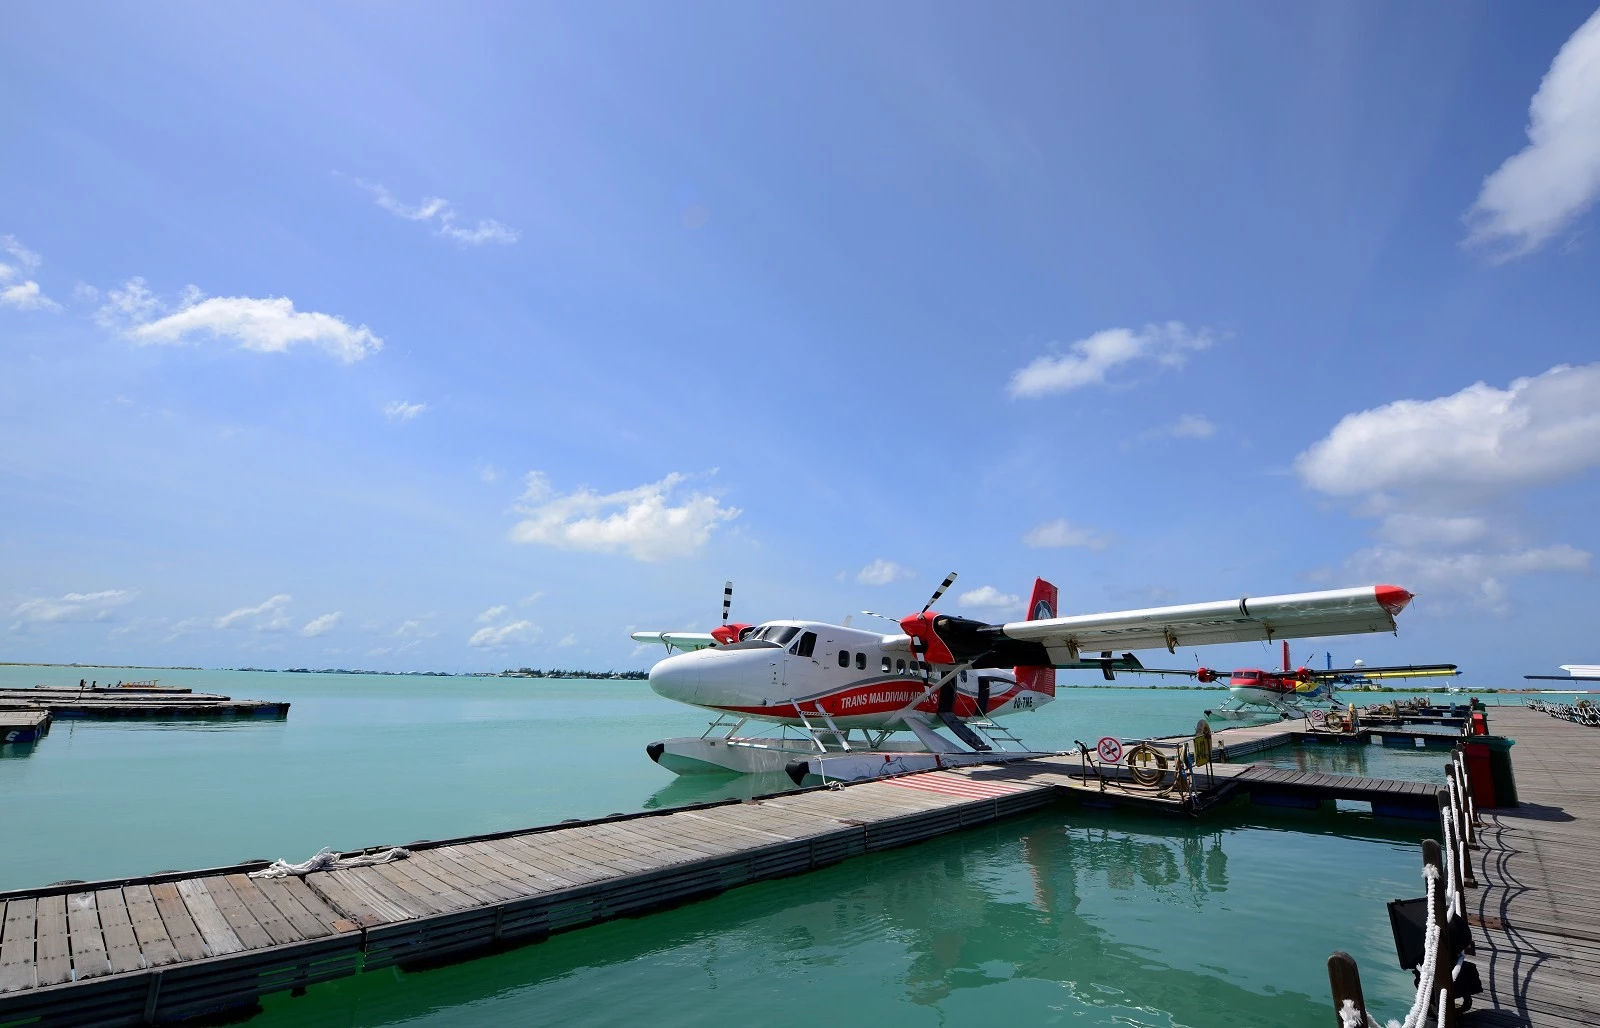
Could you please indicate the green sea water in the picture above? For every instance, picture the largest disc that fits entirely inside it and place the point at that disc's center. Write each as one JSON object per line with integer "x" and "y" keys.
{"x": 1068, "y": 917}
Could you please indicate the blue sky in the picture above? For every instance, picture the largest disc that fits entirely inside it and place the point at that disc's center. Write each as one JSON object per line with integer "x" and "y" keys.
{"x": 402, "y": 337}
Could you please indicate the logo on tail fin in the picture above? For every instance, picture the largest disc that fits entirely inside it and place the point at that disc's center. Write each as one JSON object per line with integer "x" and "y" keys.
{"x": 1041, "y": 607}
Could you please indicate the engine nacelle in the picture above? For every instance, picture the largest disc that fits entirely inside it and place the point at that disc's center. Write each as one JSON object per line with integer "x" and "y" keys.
{"x": 728, "y": 634}
{"x": 1206, "y": 676}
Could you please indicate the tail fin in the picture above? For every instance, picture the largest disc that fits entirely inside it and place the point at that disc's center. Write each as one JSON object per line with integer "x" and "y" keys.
{"x": 1041, "y": 606}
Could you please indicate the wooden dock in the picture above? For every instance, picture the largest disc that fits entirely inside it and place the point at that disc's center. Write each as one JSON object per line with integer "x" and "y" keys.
{"x": 1536, "y": 910}
{"x": 137, "y": 702}
{"x": 20, "y": 726}
{"x": 185, "y": 944}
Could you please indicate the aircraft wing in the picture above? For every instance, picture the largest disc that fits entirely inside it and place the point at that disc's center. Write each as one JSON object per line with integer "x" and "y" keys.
{"x": 676, "y": 640}
{"x": 1292, "y": 616}
{"x": 1409, "y": 671}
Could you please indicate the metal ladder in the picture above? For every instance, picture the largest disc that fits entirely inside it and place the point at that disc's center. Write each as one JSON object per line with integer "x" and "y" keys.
{"x": 831, "y": 728}
{"x": 997, "y": 733}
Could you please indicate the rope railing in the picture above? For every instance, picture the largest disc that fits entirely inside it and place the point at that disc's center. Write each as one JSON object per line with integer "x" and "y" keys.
{"x": 1443, "y": 974}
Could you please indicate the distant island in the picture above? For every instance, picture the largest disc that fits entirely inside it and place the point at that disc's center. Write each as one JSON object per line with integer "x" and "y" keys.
{"x": 526, "y": 672}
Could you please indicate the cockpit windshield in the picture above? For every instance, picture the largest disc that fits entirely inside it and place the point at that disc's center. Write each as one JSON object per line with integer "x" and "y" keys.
{"x": 779, "y": 634}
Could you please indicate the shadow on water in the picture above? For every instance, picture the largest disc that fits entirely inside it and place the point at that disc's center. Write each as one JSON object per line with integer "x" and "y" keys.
{"x": 708, "y": 788}
{"x": 1075, "y": 916}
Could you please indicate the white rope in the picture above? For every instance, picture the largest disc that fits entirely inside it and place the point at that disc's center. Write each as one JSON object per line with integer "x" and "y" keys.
{"x": 1415, "y": 1018}
{"x": 327, "y": 860}
{"x": 1350, "y": 1017}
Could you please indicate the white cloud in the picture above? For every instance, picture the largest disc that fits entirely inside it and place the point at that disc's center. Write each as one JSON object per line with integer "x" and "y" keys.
{"x": 488, "y": 474}
{"x": 486, "y": 231}
{"x": 131, "y": 305}
{"x": 1192, "y": 426}
{"x": 1431, "y": 469}
{"x": 322, "y": 625}
{"x": 95, "y": 606}
{"x": 493, "y": 613}
{"x": 524, "y": 632}
{"x": 267, "y": 616}
{"x": 1541, "y": 190}
{"x": 1432, "y": 530}
{"x": 989, "y": 596}
{"x": 25, "y": 258}
{"x": 439, "y": 210}
{"x": 568, "y": 640}
{"x": 400, "y": 410}
{"x": 644, "y": 521}
{"x": 883, "y": 572}
{"x": 1062, "y": 533}
{"x": 269, "y": 325}
{"x": 1477, "y": 442}
{"x": 1476, "y": 577}
{"x": 1089, "y": 361}
{"x": 25, "y": 295}
{"x": 415, "y": 628}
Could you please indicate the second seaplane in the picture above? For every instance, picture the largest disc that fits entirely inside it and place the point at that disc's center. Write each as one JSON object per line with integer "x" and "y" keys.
{"x": 1262, "y": 692}
{"x": 903, "y": 692}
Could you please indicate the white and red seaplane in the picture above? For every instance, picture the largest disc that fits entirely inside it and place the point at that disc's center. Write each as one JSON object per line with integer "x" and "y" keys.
{"x": 1260, "y": 692}
{"x": 940, "y": 674}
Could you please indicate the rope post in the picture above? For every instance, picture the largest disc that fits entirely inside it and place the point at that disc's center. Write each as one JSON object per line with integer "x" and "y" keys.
{"x": 1344, "y": 978}
{"x": 1451, "y": 808}
{"x": 1433, "y": 856}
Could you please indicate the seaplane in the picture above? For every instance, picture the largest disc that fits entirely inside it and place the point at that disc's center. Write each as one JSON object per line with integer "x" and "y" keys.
{"x": 928, "y": 696}
{"x": 1259, "y": 692}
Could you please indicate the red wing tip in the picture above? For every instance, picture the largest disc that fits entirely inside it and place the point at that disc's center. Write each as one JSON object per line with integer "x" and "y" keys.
{"x": 1392, "y": 598}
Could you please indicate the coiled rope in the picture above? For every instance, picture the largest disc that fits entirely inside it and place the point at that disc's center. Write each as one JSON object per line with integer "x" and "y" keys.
{"x": 327, "y": 860}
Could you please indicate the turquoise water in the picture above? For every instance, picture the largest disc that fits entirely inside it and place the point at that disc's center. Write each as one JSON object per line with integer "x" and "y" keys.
{"x": 1067, "y": 917}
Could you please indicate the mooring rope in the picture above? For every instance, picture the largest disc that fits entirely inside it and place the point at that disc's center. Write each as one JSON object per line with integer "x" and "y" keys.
{"x": 327, "y": 860}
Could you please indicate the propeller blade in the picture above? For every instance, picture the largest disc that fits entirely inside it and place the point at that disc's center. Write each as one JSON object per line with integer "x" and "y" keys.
{"x": 727, "y": 599}
{"x": 949, "y": 580}
{"x": 875, "y": 614}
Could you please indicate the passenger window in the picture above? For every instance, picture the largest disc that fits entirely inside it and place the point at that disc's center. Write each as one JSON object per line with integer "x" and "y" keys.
{"x": 963, "y": 676}
{"x": 900, "y": 667}
{"x": 844, "y": 658}
{"x": 807, "y": 643}
{"x": 885, "y": 665}
{"x": 861, "y": 662}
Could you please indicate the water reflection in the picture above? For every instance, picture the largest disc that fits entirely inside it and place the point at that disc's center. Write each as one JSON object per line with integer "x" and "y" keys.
{"x": 1106, "y": 919}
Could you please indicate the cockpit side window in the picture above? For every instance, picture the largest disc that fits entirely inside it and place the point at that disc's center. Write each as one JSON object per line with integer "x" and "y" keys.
{"x": 780, "y": 634}
{"x": 807, "y": 643}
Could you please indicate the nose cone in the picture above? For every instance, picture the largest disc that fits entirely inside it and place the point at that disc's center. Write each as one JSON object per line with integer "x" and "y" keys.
{"x": 677, "y": 677}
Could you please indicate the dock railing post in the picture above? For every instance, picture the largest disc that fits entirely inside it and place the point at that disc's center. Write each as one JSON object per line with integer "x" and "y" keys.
{"x": 1344, "y": 978}
{"x": 1443, "y": 964}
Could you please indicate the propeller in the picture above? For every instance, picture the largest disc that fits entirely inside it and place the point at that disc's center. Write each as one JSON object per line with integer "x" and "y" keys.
{"x": 727, "y": 599}
{"x": 943, "y": 586}
{"x": 949, "y": 580}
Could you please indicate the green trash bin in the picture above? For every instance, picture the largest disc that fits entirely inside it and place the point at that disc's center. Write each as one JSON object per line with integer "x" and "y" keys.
{"x": 1505, "y": 782}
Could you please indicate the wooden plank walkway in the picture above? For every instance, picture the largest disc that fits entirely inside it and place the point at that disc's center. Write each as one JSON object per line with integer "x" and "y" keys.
{"x": 1536, "y": 911}
{"x": 186, "y": 944}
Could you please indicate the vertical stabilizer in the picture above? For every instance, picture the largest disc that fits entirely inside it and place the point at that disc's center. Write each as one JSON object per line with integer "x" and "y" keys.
{"x": 1041, "y": 607}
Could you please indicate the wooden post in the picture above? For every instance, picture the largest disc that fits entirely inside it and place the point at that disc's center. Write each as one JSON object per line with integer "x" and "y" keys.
{"x": 1443, "y": 959}
{"x": 1344, "y": 978}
